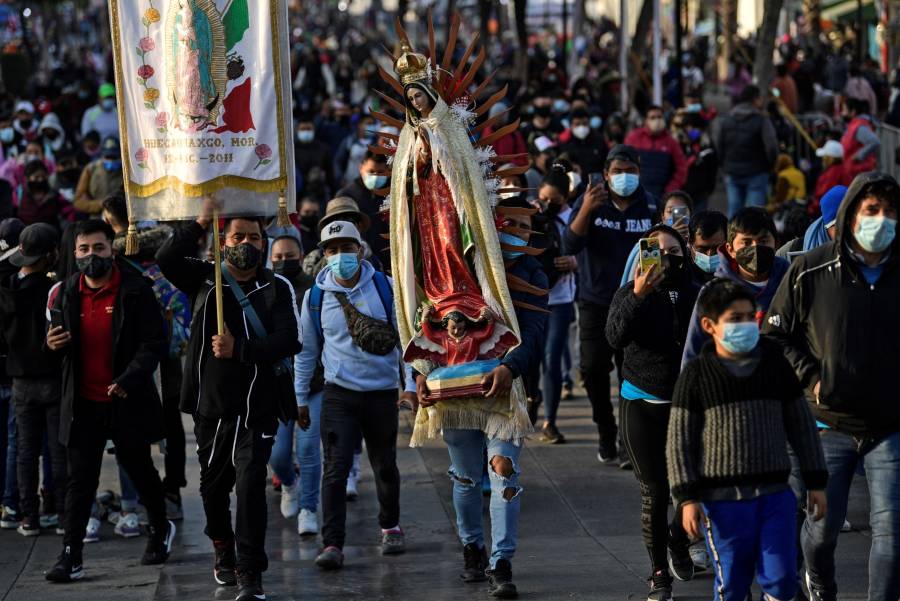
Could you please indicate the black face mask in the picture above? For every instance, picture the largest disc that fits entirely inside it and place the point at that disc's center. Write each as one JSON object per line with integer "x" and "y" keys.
{"x": 39, "y": 186}
{"x": 310, "y": 222}
{"x": 93, "y": 266}
{"x": 244, "y": 256}
{"x": 672, "y": 270}
{"x": 756, "y": 260}
{"x": 542, "y": 111}
{"x": 552, "y": 209}
{"x": 70, "y": 175}
{"x": 25, "y": 123}
{"x": 288, "y": 268}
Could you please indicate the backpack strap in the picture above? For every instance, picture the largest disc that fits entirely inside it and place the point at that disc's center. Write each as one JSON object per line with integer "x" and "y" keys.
{"x": 386, "y": 294}
{"x": 246, "y": 306}
{"x": 316, "y": 295}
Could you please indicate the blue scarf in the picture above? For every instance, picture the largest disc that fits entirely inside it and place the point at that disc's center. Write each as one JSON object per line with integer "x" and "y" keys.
{"x": 816, "y": 235}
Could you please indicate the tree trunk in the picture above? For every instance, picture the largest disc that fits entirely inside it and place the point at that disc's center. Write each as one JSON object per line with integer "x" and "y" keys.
{"x": 522, "y": 36}
{"x": 642, "y": 29}
{"x": 484, "y": 13}
{"x": 765, "y": 44}
{"x": 729, "y": 31}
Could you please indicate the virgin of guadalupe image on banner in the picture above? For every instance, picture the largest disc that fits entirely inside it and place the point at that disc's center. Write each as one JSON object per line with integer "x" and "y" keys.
{"x": 204, "y": 105}
{"x": 455, "y": 316}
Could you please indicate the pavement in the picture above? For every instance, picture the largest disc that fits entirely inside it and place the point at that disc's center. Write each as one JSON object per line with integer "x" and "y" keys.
{"x": 579, "y": 539}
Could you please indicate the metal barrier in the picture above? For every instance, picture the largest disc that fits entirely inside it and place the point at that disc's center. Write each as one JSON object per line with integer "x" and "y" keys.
{"x": 890, "y": 149}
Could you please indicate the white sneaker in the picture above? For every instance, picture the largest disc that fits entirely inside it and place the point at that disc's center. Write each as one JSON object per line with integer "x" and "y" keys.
{"x": 128, "y": 526}
{"x": 92, "y": 532}
{"x": 353, "y": 480}
{"x": 290, "y": 499}
{"x": 307, "y": 523}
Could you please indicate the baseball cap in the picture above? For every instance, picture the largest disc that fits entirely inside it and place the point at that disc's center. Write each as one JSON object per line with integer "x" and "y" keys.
{"x": 107, "y": 90}
{"x": 832, "y": 148}
{"x": 623, "y": 152}
{"x": 830, "y": 203}
{"x": 35, "y": 241}
{"x": 110, "y": 147}
{"x": 10, "y": 230}
{"x": 24, "y": 105}
{"x": 339, "y": 230}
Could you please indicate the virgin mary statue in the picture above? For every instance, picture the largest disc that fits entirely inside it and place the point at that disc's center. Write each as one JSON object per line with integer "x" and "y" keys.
{"x": 445, "y": 255}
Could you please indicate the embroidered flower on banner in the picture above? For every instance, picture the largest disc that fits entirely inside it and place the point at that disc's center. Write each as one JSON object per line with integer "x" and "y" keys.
{"x": 264, "y": 154}
{"x": 145, "y": 46}
{"x": 141, "y": 155}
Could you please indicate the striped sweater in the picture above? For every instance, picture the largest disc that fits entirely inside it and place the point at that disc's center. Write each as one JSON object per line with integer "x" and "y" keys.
{"x": 727, "y": 431}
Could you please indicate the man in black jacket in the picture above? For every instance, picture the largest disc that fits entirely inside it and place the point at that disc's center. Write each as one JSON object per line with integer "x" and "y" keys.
{"x": 371, "y": 178}
{"x": 230, "y": 387}
{"x": 836, "y": 316}
{"x": 34, "y": 371}
{"x": 605, "y": 225}
{"x": 107, "y": 328}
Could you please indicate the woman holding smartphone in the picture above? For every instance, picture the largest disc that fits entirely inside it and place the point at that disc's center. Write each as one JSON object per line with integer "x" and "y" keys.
{"x": 677, "y": 210}
{"x": 648, "y": 319}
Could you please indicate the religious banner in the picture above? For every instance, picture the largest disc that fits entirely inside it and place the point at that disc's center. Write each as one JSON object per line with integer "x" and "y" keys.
{"x": 204, "y": 105}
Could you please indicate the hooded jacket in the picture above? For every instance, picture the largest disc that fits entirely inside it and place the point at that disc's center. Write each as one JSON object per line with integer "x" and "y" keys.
{"x": 652, "y": 330}
{"x": 243, "y": 386}
{"x": 728, "y": 268}
{"x": 842, "y": 333}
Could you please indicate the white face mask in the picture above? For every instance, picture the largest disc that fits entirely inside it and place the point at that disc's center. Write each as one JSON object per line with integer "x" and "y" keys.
{"x": 305, "y": 136}
{"x": 581, "y": 131}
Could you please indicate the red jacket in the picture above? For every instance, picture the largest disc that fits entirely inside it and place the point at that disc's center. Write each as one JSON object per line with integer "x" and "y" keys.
{"x": 835, "y": 175}
{"x": 641, "y": 139}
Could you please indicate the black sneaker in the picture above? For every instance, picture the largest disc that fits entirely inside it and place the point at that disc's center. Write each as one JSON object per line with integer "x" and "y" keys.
{"x": 159, "y": 545}
{"x": 68, "y": 567}
{"x": 250, "y": 584}
{"x": 475, "y": 562}
{"x": 551, "y": 435}
{"x": 608, "y": 452}
{"x": 660, "y": 586}
{"x": 226, "y": 563}
{"x": 680, "y": 563}
{"x": 500, "y": 583}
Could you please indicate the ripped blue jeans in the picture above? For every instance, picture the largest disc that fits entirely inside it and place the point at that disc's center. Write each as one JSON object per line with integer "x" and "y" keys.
{"x": 467, "y": 453}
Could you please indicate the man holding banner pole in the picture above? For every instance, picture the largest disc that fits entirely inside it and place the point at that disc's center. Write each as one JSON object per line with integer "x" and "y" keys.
{"x": 231, "y": 384}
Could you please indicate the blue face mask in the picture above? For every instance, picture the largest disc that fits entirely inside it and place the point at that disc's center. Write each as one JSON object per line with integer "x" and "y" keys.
{"x": 707, "y": 263}
{"x": 596, "y": 122}
{"x": 875, "y": 234}
{"x": 624, "y": 184}
{"x": 375, "y": 182}
{"x": 694, "y": 108}
{"x": 7, "y": 134}
{"x": 112, "y": 165}
{"x": 108, "y": 104}
{"x": 511, "y": 240}
{"x": 740, "y": 338}
{"x": 344, "y": 265}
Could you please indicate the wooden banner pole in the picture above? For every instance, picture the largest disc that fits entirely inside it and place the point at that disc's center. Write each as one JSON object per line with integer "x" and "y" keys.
{"x": 217, "y": 258}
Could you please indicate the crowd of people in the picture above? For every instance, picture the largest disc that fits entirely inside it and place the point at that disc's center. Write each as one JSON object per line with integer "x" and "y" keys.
{"x": 752, "y": 348}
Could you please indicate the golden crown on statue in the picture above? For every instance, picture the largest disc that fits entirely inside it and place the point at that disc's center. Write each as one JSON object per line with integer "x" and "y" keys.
{"x": 412, "y": 66}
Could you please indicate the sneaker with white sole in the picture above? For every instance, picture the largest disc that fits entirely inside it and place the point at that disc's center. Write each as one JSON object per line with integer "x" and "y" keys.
{"x": 353, "y": 480}
{"x": 68, "y": 567}
{"x": 307, "y": 523}
{"x": 290, "y": 499}
{"x": 9, "y": 518}
{"x": 49, "y": 520}
{"x": 128, "y": 526}
{"x": 92, "y": 532}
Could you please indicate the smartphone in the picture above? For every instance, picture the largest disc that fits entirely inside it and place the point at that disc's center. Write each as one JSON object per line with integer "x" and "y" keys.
{"x": 596, "y": 179}
{"x": 679, "y": 213}
{"x": 56, "y": 318}
{"x": 650, "y": 254}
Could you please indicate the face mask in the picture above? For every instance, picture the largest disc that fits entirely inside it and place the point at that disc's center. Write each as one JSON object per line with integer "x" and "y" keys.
{"x": 672, "y": 268}
{"x": 7, "y": 134}
{"x": 624, "y": 184}
{"x": 707, "y": 263}
{"x": 542, "y": 111}
{"x": 511, "y": 240}
{"x": 27, "y": 158}
{"x": 305, "y": 136}
{"x": 374, "y": 182}
{"x": 25, "y": 124}
{"x": 694, "y": 108}
{"x": 560, "y": 106}
{"x": 508, "y": 195}
{"x": 111, "y": 165}
{"x": 39, "y": 186}
{"x": 596, "y": 122}
{"x": 92, "y": 153}
{"x": 740, "y": 338}
{"x": 581, "y": 131}
{"x": 655, "y": 125}
{"x": 56, "y": 143}
{"x": 244, "y": 256}
{"x": 288, "y": 268}
{"x": 875, "y": 234}
{"x": 551, "y": 209}
{"x": 309, "y": 221}
{"x": 93, "y": 266}
{"x": 344, "y": 265}
{"x": 108, "y": 104}
{"x": 756, "y": 260}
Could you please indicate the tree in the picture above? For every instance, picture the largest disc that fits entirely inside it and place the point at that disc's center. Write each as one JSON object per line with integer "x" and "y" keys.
{"x": 729, "y": 31}
{"x": 765, "y": 43}
{"x": 522, "y": 36}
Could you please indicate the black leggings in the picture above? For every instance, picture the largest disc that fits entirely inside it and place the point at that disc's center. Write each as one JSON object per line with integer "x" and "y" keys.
{"x": 644, "y": 428}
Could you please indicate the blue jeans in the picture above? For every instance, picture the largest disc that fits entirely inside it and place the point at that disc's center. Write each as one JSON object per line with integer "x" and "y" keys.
{"x": 555, "y": 344}
{"x": 309, "y": 455}
{"x": 753, "y": 537}
{"x": 819, "y": 539}
{"x": 10, "y": 486}
{"x": 467, "y": 463}
{"x": 746, "y": 191}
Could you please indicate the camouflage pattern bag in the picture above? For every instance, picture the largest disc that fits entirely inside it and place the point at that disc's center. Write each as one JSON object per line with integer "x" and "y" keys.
{"x": 371, "y": 335}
